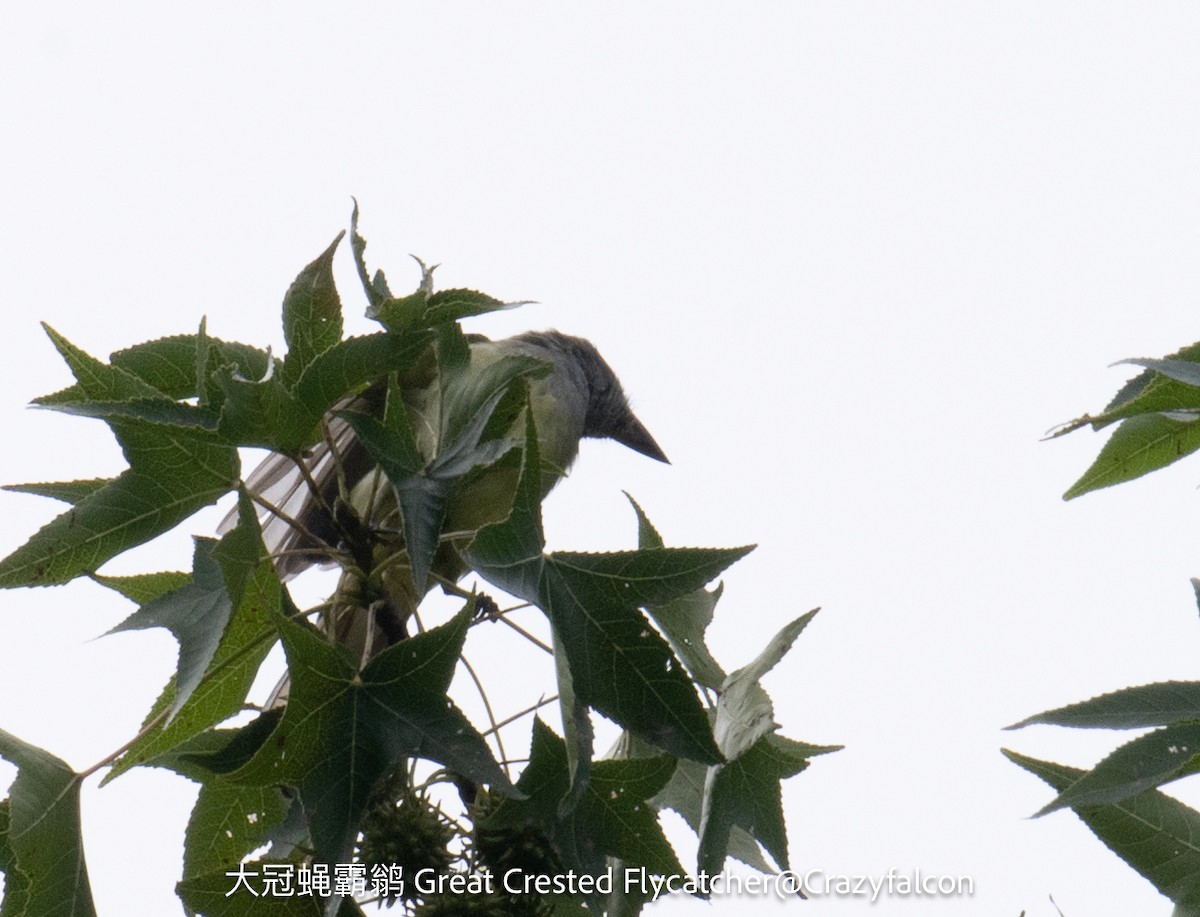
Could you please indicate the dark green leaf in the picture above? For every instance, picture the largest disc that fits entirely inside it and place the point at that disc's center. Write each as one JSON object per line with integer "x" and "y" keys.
{"x": 377, "y": 291}
{"x": 422, "y": 499}
{"x": 43, "y": 840}
{"x": 67, "y": 491}
{"x": 452, "y": 305}
{"x": 1138, "y": 446}
{"x": 232, "y": 666}
{"x": 577, "y": 730}
{"x": 196, "y": 614}
{"x": 684, "y": 620}
{"x": 342, "y": 729}
{"x": 254, "y": 410}
{"x": 622, "y": 666}
{"x": 145, "y": 587}
{"x": 651, "y": 576}
{"x": 157, "y": 411}
{"x": 746, "y": 793}
{"x": 16, "y": 883}
{"x": 648, "y": 536}
{"x": 221, "y": 751}
{"x": 228, "y": 822}
{"x": 95, "y": 380}
{"x": 1144, "y": 763}
{"x": 312, "y": 313}
{"x": 685, "y": 794}
{"x": 1157, "y": 835}
{"x": 172, "y": 477}
{"x": 169, "y": 364}
{"x": 619, "y": 663}
{"x": 173, "y": 472}
{"x": 1132, "y": 708}
{"x": 611, "y": 819}
{"x": 347, "y": 367}
{"x": 266, "y": 413}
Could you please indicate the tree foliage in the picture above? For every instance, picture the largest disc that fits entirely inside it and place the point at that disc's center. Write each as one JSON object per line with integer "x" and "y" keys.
{"x": 337, "y": 791}
{"x": 1156, "y": 421}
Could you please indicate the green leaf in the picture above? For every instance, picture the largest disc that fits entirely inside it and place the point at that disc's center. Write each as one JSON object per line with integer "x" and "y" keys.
{"x": 1150, "y": 392}
{"x": 1144, "y": 763}
{"x": 347, "y": 367}
{"x": 162, "y": 489}
{"x": 685, "y": 794}
{"x": 684, "y": 620}
{"x": 651, "y": 576}
{"x": 16, "y": 883}
{"x": 141, "y": 588}
{"x": 265, "y": 412}
{"x": 253, "y": 410}
{"x": 68, "y": 491}
{"x": 376, "y": 290}
{"x": 95, "y": 380}
{"x": 42, "y": 846}
{"x": 621, "y": 666}
{"x": 612, "y": 817}
{"x": 452, "y": 305}
{"x": 619, "y": 663}
{"x": 312, "y": 313}
{"x": 422, "y": 499}
{"x": 578, "y": 732}
{"x": 454, "y": 426}
{"x": 746, "y": 793}
{"x": 195, "y": 613}
{"x": 1131, "y": 708}
{"x": 1185, "y": 371}
{"x": 232, "y": 666}
{"x": 228, "y": 822}
{"x": 169, "y": 364}
{"x": 648, "y": 536}
{"x": 1157, "y": 835}
{"x": 1138, "y": 446}
{"x": 173, "y": 472}
{"x": 343, "y": 729}
{"x": 156, "y": 411}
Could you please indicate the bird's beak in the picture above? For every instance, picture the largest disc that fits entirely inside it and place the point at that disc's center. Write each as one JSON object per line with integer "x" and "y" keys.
{"x": 634, "y": 435}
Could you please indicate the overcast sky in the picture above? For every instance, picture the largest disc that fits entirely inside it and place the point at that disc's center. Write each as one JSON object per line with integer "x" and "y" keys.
{"x": 851, "y": 260}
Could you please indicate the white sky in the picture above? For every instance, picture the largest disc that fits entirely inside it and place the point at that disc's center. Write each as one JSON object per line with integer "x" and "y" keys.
{"x": 852, "y": 260}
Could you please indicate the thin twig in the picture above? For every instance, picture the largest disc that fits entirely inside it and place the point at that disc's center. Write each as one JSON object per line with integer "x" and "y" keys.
{"x": 528, "y": 710}
{"x": 524, "y": 633}
{"x": 487, "y": 706}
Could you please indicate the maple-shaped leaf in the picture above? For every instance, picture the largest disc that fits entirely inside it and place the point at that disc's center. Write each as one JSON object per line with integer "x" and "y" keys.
{"x": 224, "y": 619}
{"x": 1155, "y": 834}
{"x": 342, "y": 729}
{"x": 41, "y": 850}
{"x": 619, "y": 663}
{"x": 611, "y": 817}
{"x": 746, "y": 794}
{"x": 175, "y": 468}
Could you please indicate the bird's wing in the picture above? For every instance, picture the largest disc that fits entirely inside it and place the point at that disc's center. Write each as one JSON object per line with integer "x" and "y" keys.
{"x": 279, "y": 482}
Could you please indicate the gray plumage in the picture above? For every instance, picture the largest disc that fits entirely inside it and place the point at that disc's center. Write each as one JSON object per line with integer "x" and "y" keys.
{"x": 580, "y": 398}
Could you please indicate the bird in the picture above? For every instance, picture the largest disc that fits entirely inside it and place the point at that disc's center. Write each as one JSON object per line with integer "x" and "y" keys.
{"x": 336, "y": 500}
